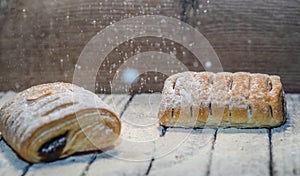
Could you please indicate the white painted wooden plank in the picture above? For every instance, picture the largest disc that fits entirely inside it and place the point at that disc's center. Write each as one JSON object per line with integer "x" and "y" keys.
{"x": 193, "y": 150}
{"x": 10, "y": 164}
{"x": 76, "y": 165}
{"x": 286, "y": 141}
{"x": 183, "y": 152}
{"x": 241, "y": 152}
{"x": 70, "y": 166}
{"x": 139, "y": 133}
{"x": 116, "y": 101}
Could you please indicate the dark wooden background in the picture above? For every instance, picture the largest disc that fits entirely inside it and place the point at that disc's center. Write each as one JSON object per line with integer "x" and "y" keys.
{"x": 41, "y": 40}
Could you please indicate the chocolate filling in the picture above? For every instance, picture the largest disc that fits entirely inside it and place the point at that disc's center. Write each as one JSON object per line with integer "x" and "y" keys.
{"x": 52, "y": 149}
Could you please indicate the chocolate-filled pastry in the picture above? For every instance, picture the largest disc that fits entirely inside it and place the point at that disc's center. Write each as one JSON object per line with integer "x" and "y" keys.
{"x": 204, "y": 99}
{"x": 55, "y": 120}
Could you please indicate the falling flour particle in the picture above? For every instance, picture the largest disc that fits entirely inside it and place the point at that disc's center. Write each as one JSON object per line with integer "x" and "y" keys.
{"x": 195, "y": 64}
{"x": 208, "y": 64}
{"x": 17, "y": 85}
{"x": 130, "y": 75}
{"x": 94, "y": 22}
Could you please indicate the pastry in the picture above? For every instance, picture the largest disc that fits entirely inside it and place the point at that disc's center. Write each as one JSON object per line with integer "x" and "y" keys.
{"x": 205, "y": 99}
{"x": 55, "y": 120}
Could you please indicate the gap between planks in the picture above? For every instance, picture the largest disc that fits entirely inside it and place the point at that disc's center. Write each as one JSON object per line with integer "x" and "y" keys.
{"x": 211, "y": 153}
{"x": 270, "y": 153}
{"x": 286, "y": 140}
{"x": 281, "y": 144}
{"x": 133, "y": 155}
{"x": 84, "y": 173}
{"x": 238, "y": 151}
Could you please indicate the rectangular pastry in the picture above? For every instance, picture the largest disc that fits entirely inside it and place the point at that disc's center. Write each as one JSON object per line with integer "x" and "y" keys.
{"x": 205, "y": 99}
{"x": 52, "y": 121}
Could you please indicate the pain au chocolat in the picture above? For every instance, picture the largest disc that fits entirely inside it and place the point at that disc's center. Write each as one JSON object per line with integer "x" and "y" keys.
{"x": 205, "y": 99}
{"x": 55, "y": 120}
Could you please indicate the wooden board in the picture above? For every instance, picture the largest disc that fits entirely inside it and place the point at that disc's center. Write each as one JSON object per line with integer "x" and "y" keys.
{"x": 41, "y": 40}
{"x": 196, "y": 151}
{"x": 241, "y": 152}
{"x": 286, "y": 141}
{"x": 10, "y": 164}
{"x": 183, "y": 152}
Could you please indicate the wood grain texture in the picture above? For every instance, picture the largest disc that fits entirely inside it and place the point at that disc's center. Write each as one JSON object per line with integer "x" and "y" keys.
{"x": 286, "y": 141}
{"x": 183, "y": 152}
{"x": 40, "y": 41}
{"x": 241, "y": 152}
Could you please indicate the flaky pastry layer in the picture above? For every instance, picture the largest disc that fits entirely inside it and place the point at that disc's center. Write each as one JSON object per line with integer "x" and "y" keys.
{"x": 55, "y": 120}
{"x": 205, "y": 99}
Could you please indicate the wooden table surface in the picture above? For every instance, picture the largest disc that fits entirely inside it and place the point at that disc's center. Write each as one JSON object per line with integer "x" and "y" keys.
{"x": 145, "y": 149}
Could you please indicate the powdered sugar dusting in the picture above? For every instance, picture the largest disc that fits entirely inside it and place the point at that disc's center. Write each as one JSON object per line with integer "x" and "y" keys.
{"x": 248, "y": 95}
{"x": 30, "y": 115}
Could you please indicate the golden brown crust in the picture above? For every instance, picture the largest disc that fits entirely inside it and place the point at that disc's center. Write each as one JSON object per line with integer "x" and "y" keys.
{"x": 241, "y": 99}
{"x": 239, "y": 95}
{"x": 52, "y": 121}
{"x": 258, "y": 99}
{"x": 220, "y": 98}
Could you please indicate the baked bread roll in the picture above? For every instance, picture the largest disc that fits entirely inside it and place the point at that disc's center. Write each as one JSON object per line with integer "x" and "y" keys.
{"x": 205, "y": 99}
{"x": 55, "y": 120}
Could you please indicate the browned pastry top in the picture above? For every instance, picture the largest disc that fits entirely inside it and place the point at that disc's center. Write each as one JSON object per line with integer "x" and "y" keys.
{"x": 198, "y": 99}
{"x": 57, "y": 115}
